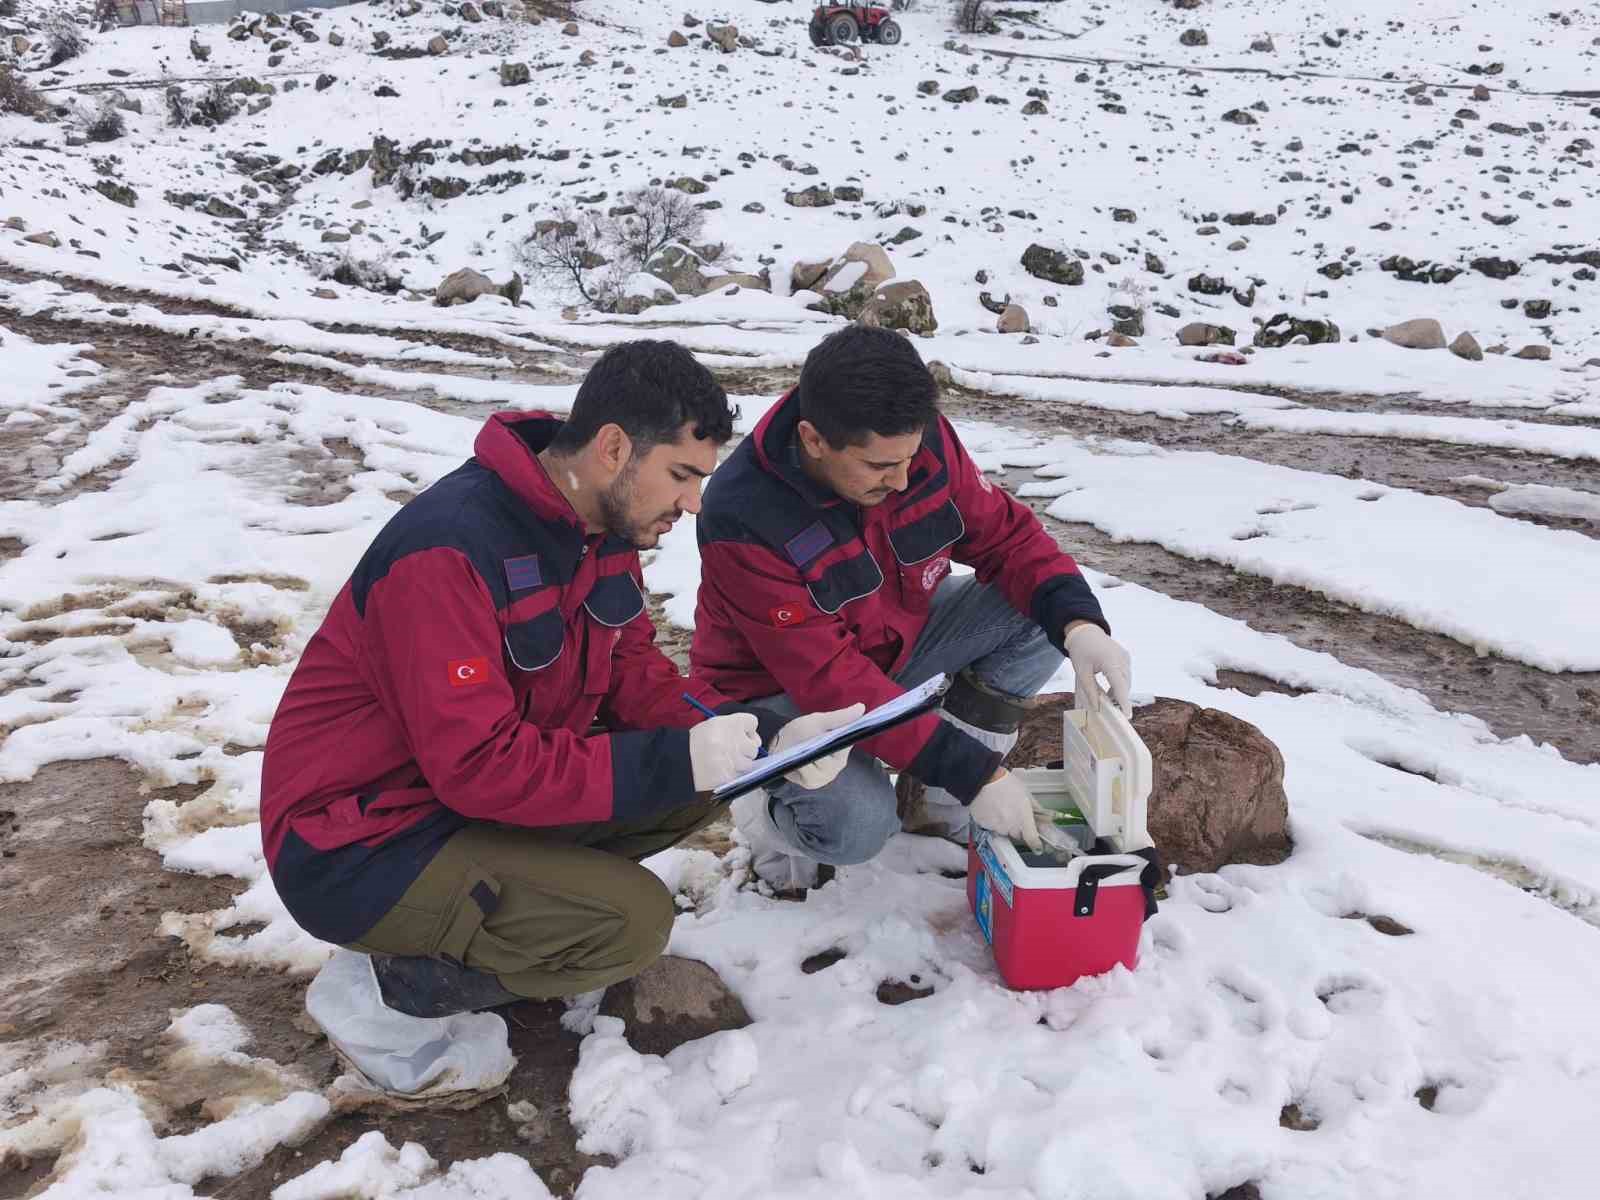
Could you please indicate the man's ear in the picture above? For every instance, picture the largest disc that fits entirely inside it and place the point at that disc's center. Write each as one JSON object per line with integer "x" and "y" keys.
{"x": 612, "y": 448}
{"x": 811, "y": 441}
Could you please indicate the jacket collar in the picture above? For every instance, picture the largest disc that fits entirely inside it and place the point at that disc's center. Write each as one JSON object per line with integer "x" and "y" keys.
{"x": 508, "y": 445}
{"x": 778, "y": 452}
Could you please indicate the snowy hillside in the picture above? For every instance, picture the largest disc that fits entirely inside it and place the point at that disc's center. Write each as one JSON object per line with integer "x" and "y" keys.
{"x": 222, "y": 369}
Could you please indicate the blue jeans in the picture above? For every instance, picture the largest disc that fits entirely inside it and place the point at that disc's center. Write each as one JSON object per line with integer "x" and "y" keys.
{"x": 970, "y": 626}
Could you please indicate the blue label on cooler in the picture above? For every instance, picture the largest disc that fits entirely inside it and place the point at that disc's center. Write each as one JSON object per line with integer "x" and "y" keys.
{"x": 983, "y": 907}
{"x": 992, "y": 867}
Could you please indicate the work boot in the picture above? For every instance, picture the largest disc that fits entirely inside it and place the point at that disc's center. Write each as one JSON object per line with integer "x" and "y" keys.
{"x": 980, "y": 712}
{"x": 772, "y": 860}
{"x": 455, "y": 1060}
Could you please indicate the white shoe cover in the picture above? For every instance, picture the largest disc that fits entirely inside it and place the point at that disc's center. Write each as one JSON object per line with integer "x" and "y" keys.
{"x": 771, "y": 859}
{"x": 413, "y": 1056}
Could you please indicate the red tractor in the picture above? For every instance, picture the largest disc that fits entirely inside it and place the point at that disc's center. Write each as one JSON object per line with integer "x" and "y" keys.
{"x": 833, "y": 24}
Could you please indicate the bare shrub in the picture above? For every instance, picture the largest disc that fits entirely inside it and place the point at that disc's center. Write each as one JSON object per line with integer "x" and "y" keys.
{"x": 206, "y": 109}
{"x": 65, "y": 39}
{"x": 590, "y": 256}
{"x": 105, "y": 123}
{"x": 369, "y": 273}
{"x": 660, "y": 217}
{"x": 569, "y": 254}
{"x": 17, "y": 95}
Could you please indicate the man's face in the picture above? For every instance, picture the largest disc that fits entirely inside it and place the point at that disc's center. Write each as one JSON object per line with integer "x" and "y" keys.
{"x": 655, "y": 489}
{"x": 865, "y": 474}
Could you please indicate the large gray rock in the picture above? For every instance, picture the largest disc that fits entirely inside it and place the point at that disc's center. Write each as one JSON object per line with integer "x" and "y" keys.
{"x": 1013, "y": 320}
{"x": 466, "y": 285}
{"x": 1466, "y": 346}
{"x": 1198, "y": 333}
{"x": 1283, "y": 329}
{"x": 1052, "y": 266}
{"x": 904, "y": 305}
{"x": 681, "y": 267}
{"x": 672, "y": 1001}
{"x": 1421, "y": 334}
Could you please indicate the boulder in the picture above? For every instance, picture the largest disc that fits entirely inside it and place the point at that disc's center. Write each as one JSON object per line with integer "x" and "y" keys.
{"x": 1013, "y": 320}
{"x": 1053, "y": 266}
{"x": 815, "y": 196}
{"x": 680, "y": 267}
{"x": 676, "y": 40}
{"x": 438, "y": 45}
{"x": 725, "y": 36}
{"x": 672, "y": 1001}
{"x": 806, "y": 275}
{"x": 466, "y": 285}
{"x": 1283, "y": 329}
{"x": 1466, "y": 346}
{"x": 1423, "y": 333}
{"x": 1198, "y": 333}
{"x": 1193, "y": 37}
{"x": 513, "y": 74}
{"x": 742, "y": 279}
{"x": 1534, "y": 353}
{"x": 904, "y": 305}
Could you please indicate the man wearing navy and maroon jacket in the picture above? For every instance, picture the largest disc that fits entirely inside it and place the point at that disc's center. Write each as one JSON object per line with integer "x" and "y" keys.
{"x": 433, "y": 799}
{"x": 826, "y": 541}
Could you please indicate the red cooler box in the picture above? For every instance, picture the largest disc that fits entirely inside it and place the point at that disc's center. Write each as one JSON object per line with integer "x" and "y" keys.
{"x": 1052, "y": 919}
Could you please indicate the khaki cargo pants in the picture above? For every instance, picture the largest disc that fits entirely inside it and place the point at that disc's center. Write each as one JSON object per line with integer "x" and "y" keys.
{"x": 552, "y": 912}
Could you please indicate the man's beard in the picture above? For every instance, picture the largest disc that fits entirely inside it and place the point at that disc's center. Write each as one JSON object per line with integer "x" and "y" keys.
{"x": 616, "y": 504}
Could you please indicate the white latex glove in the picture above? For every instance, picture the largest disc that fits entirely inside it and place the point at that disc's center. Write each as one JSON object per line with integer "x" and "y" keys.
{"x": 1006, "y": 807}
{"x": 1093, "y": 651}
{"x": 721, "y": 748}
{"x": 823, "y": 771}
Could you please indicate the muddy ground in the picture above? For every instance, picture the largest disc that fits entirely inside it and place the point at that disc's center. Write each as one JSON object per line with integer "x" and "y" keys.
{"x": 81, "y": 956}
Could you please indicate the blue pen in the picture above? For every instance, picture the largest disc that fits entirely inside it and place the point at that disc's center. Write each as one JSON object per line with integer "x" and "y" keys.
{"x": 693, "y": 703}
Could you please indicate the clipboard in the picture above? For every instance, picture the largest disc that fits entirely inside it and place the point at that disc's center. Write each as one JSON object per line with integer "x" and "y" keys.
{"x": 908, "y": 706}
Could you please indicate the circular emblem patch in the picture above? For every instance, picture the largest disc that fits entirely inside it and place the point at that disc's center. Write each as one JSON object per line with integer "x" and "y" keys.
{"x": 934, "y": 572}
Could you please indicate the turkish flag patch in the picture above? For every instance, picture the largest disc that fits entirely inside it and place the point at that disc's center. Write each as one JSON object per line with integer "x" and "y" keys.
{"x": 464, "y": 672}
{"x": 788, "y": 614}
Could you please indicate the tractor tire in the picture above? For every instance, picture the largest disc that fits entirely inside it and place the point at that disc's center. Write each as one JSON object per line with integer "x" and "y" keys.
{"x": 819, "y": 32}
{"x": 888, "y": 33}
{"x": 843, "y": 30}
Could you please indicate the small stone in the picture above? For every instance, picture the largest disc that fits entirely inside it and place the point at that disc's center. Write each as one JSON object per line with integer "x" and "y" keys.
{"x": 513, "y": 74}
{"x": 437, "y": 44}
{"x": 961, "y": 95}
{"x": 44, "y": 238}
{"x": 570, "y": 29}
{"x": 1534, "y": 353}
{"x": 1466, "y": 346}
{"x": 1194, "y": 37}
{"x": 676, "y": 40}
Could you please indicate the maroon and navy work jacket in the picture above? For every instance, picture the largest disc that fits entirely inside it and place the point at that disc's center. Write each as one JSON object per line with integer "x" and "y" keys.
{"x": 805, "y": 593}
{"x": 456, "y": 678}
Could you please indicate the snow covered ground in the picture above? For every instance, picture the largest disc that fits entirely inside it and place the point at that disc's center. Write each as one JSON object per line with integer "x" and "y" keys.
{"x": 172, "y": 537}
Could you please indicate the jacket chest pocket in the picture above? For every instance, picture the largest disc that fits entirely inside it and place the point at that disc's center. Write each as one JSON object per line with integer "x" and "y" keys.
{"x": 921, "y": 548}
{"x": 541, "y": 668}
{"x": 614, "y": 601}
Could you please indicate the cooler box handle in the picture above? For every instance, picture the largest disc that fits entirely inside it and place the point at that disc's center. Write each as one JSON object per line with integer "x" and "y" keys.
{"x": 1108, "y": 760}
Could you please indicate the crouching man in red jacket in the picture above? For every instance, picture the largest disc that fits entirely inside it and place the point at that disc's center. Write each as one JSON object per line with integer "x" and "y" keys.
{"x": 826, "y": 543}
{"x": 434, "y": 799}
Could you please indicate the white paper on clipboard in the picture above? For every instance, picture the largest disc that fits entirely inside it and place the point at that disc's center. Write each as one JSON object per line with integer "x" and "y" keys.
{"x": 882, "y": 717}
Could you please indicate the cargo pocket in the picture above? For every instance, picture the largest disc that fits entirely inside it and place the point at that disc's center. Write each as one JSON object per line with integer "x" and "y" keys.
{"x": 477, "y": 897}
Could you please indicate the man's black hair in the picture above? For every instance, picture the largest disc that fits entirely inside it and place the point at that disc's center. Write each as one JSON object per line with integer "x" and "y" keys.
{"x": 860, "y": 380}
{"x": 652, "y": 389}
